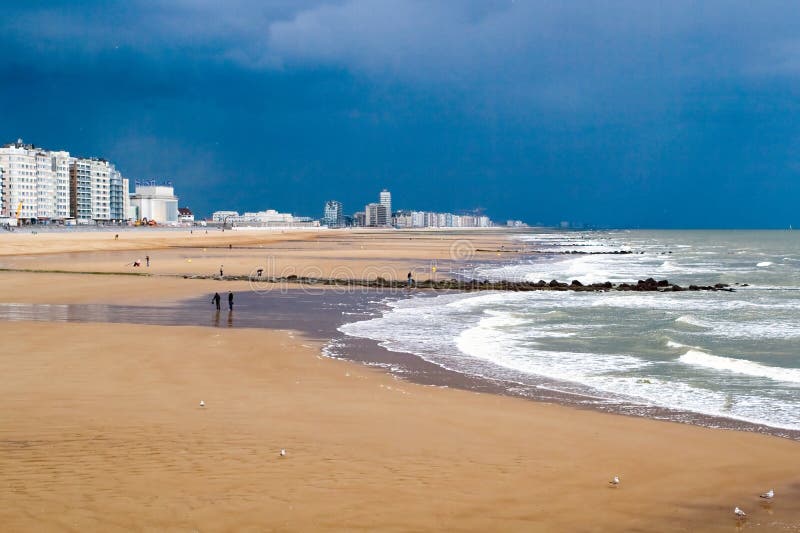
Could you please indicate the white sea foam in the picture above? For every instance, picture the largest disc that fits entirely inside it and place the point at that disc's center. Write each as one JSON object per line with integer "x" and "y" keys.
{"x": 487, "y": 342}
{"x": 612, "y": 345}
{"x": 764, "y": 264}
{"x": 740, "y": 366}
{"x": 673, "y": 344}
{"x": 692, "y": 321}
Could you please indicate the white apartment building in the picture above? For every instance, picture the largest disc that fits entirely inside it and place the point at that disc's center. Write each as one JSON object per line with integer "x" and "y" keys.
{"x": 126, "y": 200}
{"x": 43, "y": 185}
{"x": 35, "y": 184}
{"x": 221, "y": 216}
{"x": 268, "y": 217}
{"x": 386, "y": 201}
{"x": 262, "y": 219}
{"x": 423, "y": 219}
{"x": 333, "y": 214}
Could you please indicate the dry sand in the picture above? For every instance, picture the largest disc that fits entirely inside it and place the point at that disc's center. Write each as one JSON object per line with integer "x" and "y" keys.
{"x": 101, "y": 430}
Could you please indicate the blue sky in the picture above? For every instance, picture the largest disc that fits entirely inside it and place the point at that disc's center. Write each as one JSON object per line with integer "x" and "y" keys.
{"x": 624, "y": 114}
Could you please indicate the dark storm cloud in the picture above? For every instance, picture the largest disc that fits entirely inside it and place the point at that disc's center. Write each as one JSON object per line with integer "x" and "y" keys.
{"x": 619, "y": 113}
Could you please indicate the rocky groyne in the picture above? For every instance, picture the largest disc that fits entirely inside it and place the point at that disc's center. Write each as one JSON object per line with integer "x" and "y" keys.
{"x": 646, "y": 285}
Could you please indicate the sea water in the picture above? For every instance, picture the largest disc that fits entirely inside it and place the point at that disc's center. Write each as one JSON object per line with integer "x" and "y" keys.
{"x": 734, "y": 355}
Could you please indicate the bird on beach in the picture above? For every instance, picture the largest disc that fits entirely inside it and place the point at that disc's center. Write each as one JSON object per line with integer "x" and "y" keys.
{"x": 614, "y": 482}
{"x": 768, "y": 495}
{"x": 739, "y": 513}
{"x": 283, "y": 452}
{"x": 202, "y": 403}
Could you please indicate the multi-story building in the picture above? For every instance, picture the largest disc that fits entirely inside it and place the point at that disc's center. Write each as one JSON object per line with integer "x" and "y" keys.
{"x": 96, "y": 191}
{"x": 19, "y": 185}
{"x": 101, "y": 190}
{"x": 376, "y": 216}
{"x": 126, "y": 201}
{"x": 223, "y": 216}
{"x": 80, "y": 183}
{"x": 402, "y": 219}
{"x": 35, "y": 183}
{"x": 263, "y": 219}
{"x": 333, "y": 216}
{"x": 360, "y": 219}
{"x": 61, "y": 161}
{"x": 386, "y": 201}
{"x": 424, "y": 219}
{"x": 116, "y": 196}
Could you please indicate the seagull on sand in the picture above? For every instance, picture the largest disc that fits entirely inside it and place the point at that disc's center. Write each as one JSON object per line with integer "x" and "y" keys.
{"x": 769, "y": 494}
{"x": 739, "y": 513}
{"x": 614, "y": 482}
{"x": 202, "y": 403}
{"x": 283, "y": 452}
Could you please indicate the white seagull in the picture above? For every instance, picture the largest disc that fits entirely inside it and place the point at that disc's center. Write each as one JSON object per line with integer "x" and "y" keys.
{"x": 202, "y": 403}
{"x": 739, "y": 513}
{"x": 283, "y": 452}
{"x": 614, "y": 482}
{"x": 769, "y": 494}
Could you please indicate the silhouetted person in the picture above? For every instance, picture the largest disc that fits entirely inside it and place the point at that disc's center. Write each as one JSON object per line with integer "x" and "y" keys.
{"x": 220, "y": 271}
{"x": 147, "y": 259}
{"x": 230, "y": 301}
{"x": 410, "y": 279}
{"x": 215, "y": 300}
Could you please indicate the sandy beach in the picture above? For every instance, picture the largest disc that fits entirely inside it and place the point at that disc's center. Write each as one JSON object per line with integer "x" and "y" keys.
{"x": 102, "y": 430}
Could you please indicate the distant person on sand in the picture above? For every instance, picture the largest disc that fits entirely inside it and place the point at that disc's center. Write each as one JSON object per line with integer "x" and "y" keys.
{"x": 116, "y": 237}
{"x": 410, "y": 279}
{"x": 230, "y": 301}
{"x": 147, "y": 258}
{"x": 220, "y": 271}
{"x": 215, "y": 300}
{"x": 137, "y": 263}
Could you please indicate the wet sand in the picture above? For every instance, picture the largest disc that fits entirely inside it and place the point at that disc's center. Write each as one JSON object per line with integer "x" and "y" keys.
{"x": 317, "y": 313}
{"x": 101, "y": 430}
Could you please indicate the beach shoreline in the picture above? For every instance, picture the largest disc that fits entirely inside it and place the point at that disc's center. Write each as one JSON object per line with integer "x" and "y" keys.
{"x": 84, "y": 451}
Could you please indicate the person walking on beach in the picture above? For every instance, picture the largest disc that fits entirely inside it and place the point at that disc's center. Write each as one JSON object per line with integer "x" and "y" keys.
{"x": 147, "y": 259}
{"x": 220, "y": 271}
{"x": 230, "y": 301}
{"x": 215, "y": 300}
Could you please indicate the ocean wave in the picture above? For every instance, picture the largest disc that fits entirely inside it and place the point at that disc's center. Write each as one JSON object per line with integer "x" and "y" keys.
{"x": 673, "y": 344}
{"x": 764, "y": 264}
{"x": 692, "y": 321}
{"x": 740, "y": 366}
